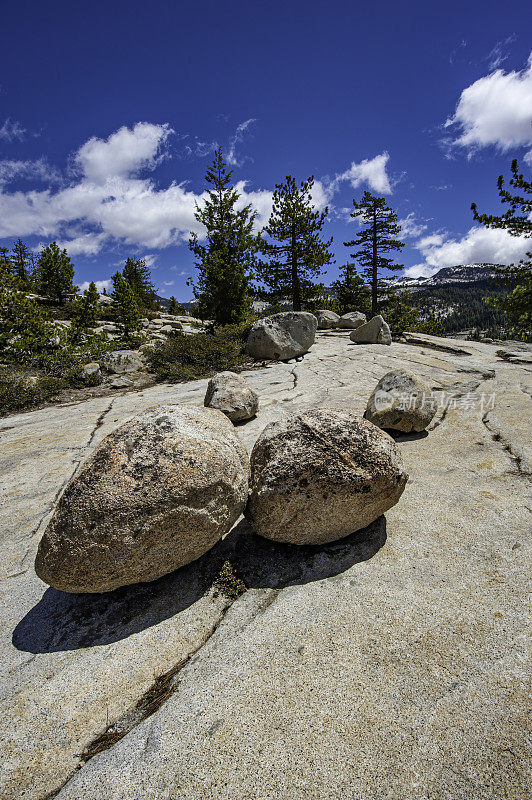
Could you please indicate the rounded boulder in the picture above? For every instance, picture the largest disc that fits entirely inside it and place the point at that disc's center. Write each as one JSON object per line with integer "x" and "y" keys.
{"x": 232, "y": 395}
{"x": 155, "y": 495}
{"x": 282, "y": 336}
{"x": 321, "y": 475}
{"x": 401, "y": 401}
{"x": 326, "y": 319}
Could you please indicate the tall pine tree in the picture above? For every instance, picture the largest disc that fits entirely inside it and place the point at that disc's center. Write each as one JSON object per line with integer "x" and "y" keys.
{"x": 84, "y": 312}
{"x": 55, "y": 272}
{"x": 138, "y": 275}
{"x": 126, "y": 305}
{"x": 294, "y": 248}
{"x": 517, "y": 220}
{"x": 21, "y": 261}
{"x": 377, "y": 237}
{"x": 227, "y": 258}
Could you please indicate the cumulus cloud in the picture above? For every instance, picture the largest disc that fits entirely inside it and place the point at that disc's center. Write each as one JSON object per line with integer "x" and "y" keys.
{"x": 479, "y": 245}
{"x": 370, "y": 171}
{"x": 87, "y": 244}
{"x": 12, "y": 131}
{"x": 123, "y": 153}
{"x": 495, "y": 110}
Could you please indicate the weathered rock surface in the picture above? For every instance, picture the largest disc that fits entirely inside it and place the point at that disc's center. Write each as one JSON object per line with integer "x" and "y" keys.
{"x": 401, "y": 401}
{"x": 389, "y": 664}
{"x": 124, "y": 361}
{"x": 282, "y": 336}
{"x": 155, "y": 495}
{"x": 376, "y": 331}
{"x": 326, "y": 319}
{"x": 353, "y": 319}
{"x": 232, "y": 395}
{"x": 319, "y": 476}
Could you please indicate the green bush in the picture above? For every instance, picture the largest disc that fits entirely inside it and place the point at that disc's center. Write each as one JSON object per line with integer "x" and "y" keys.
{"x": 198, "y": 355}
{"x": 18, "y": 392}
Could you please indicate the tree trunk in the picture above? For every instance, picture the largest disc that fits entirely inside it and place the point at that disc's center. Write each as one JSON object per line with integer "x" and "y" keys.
{"x": 296, "y": 290}
{"x": 374, "y": 267}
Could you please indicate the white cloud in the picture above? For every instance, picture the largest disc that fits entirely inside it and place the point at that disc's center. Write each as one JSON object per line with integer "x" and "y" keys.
{"x": 411, "y": 227}
{"x": 87, "y": 244}
{"x": 100, "y": 285}
{"x": 168, "y": 283}
{"x": 495, "y": 110}
{"x": 123, "y": 153}
{"x": 479, "y": 245}
{"x": 39, "y": 170}
{"x": 237, "y": 138}
{"x": 12, "y": 130}
{"x": 371, "y": 172}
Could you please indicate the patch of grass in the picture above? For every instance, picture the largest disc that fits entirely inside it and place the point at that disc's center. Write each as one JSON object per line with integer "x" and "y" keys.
{"x": 187, "y": 357}
{"x": 20, "y": 392}
{"x": 228, "y": 583}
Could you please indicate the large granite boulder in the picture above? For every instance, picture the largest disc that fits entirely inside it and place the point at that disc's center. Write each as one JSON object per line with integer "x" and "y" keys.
{"x": 232, "y": 395}
{"x": 282, "y": 336}
{"x": 353, "y": 319}
{"x": 123, "y": 361}
{"x": 326, "y": 319}
{"x": 321, "y": 475}
{"x": 376, "y": 331}
{"x": 156, "y": 494}
{"x": 402, "y": 401}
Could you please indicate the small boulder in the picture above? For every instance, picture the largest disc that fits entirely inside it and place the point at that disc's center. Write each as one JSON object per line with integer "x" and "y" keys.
{"x": 91, "y": 370}
{"x": 155, "y": 495}
{"x": 401, "y": 401}
{"x": 326, "y": 319}
{"x": 123, "y": 361}
{"x": 121, "y": 382}
{"x": 282, "y": 336}
{"x": 320, "y": 476}
{"x": 232, "y": 395}
{"x": 376, "y": 331}
{"x": 171, "y": 330}
{"x": 353, "y": 319}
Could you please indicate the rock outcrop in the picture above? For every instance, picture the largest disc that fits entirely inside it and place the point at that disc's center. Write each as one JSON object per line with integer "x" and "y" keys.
{"x": 282, "y": 336}
{"x": 376, "y": 331}
{"x": 232, "y": 395}
{"x": 155, "y": 495}
{"x": 123, "y": 361}
{"x": 320, "y": 476}
{"x": 326, "y": 319}
{"x": 353, "y": 319}
{"x": 401, "y": 401}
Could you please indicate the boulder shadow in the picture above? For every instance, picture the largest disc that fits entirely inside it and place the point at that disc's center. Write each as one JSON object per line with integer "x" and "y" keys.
{"x": 399, "y": 436}
{"x": 61, "y": 621}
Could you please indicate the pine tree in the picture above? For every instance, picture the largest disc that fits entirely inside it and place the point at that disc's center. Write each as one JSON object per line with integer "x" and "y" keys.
{"x": 352, "y": 294}
{"x": 21, "y": 261}
{"x": 25, "y": 329}
{"x": 517, "y": 220}
{"x": 375, "y": 239}
{"x": 226, "y": 260}
{"x": 127, "y": 305}
{"x": 84, "y": 312}
{"x": 295, "y": 251}
{"x": 55, "y": 272}
{"x": 138, "y": 275}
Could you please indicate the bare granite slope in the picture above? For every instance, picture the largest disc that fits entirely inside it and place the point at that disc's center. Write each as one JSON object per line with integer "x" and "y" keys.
{"x": 390, "y": 665}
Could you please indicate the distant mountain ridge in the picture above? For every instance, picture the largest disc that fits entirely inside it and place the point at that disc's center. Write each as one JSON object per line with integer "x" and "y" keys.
{"x": 461, "y": 273}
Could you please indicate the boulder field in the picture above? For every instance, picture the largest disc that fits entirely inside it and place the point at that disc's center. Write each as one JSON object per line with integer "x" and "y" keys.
{"x": 389, "y": 664}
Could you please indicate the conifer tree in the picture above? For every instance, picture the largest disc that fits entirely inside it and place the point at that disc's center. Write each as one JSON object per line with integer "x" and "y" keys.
{"x": 127, "y": 305}
{"x": 352, "y": 294}
{"x": 21, "y": 261}
{"x": 25, "y": 329}
{"x": 294, "y": 248}
{"x": 55, "y": 272}
{"x": 517, "y": 220}
{"x": 138, "y": 275}
{"x": 374, "y": 240}
{"x": 226, "y": 260}
{"x": 84, "y": 313}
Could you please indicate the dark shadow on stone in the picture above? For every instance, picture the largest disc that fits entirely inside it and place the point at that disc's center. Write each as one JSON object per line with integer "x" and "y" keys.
{"x": 62, "y": 621}
{"x": 399, "y": 436}
{"x": 239, "y": 423}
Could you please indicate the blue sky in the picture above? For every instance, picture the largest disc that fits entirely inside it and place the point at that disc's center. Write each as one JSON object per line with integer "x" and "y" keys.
{"x": 109, "y": 115}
